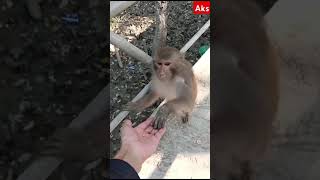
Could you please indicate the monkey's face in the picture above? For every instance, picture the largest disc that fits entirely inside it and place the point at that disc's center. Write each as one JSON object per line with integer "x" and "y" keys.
{"x": 163, "y": 69}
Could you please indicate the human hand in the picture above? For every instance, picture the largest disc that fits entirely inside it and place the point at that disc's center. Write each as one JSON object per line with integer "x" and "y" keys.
{"x": 139, "y": 143}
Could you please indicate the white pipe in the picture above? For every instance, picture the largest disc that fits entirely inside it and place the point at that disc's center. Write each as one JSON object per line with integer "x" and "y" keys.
{"x": 129, "y": 48}
{"x": 195, "y": 37}
{"x": 116, "y": 121}
{"x": 117, "y": 7}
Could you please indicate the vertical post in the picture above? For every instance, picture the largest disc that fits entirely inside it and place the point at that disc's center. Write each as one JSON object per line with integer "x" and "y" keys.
{"x": 160, "y": 39}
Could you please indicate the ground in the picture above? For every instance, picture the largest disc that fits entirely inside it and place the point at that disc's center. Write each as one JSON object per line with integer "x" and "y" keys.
{"x": 50, "y": 70}
{"x": 137, "y": 24}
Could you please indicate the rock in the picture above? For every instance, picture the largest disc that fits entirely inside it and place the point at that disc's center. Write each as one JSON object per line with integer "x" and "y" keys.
{"x": 19, "y": 83}
{"x": 80, "y": 71}
{"x": 63, "y": 3}
{"x": 39, "y": 79}
{"x": 34, "y": 9}
{"x": 24, "y": 157}
{"x": 69, "y": 82}
{"x": 16, "y": 52}
{"x": 24, "y": 106}
{"x": 59, "y": 111}
{"x": 65, "y": 49}
{"x": 52, "y": 79}
{"x": 9, "y": 3}
{"x": 10, "y": 62}
{"x": 29, "y": 126}
{"x": 27, "y": 87}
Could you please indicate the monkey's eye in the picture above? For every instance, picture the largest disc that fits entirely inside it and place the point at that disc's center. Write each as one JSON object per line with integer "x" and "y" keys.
{"x": 167, "y": 64}
{"x": 160, "y": 64}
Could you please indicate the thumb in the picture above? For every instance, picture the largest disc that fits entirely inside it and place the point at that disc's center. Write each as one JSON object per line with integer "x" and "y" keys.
{"x": 126, "y": 124}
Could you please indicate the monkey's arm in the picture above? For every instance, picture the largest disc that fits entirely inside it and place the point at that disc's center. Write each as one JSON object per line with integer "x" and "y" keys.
{"x": 146, "y": 101}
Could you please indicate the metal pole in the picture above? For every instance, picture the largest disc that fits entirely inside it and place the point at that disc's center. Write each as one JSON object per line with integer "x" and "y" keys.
{"x": 129, "y": 48}
{"x": 195, "y": 37}
{"x": 117, "y": 7}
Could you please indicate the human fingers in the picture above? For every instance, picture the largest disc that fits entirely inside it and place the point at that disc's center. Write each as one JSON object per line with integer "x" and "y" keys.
{"x": 154, "y": 131}
{"x": 145, "y": 124}
{"x": 148, "y": 129}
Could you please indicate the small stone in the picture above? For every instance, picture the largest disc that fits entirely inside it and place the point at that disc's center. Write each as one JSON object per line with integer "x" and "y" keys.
{"x": 9, "y": 3}
{"x": 34, "y": 9}
{"x": 80, "y": 71}
{"x": 29, "y": 126}
{"x": 16, "y": 52}
{"x": 19, "y": 83}
{"x": 39, "y": 79}
{"x": 59, "y": 111}
{"x": 69, "y": 82}
{"x": 24, "y": 106}
{"x": 52, "y": 79}
{"x": 10, "y": 62}
{"x": 24, "y": 157}
{"x": 28, "y": 87}
{"x": 15, "y": 118}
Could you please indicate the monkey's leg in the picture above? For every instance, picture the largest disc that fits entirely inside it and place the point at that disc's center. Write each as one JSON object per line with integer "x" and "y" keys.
{"x": 143, "y": 103}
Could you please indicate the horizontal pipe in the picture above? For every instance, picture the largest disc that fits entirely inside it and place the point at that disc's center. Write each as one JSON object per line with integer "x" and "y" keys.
{"x": 129, "y": 48}
{"x": 117, "y": 7}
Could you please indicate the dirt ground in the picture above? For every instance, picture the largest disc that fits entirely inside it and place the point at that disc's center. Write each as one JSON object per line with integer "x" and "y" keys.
{"x": 50, "y": 70}
{"x": 137, "y": 24}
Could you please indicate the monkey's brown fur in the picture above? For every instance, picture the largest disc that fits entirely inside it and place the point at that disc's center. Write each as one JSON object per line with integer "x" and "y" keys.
{"x": 245, "y": 89}
{"x": 174, "y": 80}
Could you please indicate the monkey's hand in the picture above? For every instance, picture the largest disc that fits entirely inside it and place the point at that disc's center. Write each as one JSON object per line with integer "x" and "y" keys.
{"x": 161, "y": 117}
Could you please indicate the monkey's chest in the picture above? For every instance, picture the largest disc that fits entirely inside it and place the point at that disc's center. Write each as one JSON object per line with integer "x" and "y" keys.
{"x": 165, "y": 89}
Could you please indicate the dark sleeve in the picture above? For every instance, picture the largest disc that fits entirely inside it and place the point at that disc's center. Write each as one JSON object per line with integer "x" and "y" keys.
{"x": 120, "y": 169}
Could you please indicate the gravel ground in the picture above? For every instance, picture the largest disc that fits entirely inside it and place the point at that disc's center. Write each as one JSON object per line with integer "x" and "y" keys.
{"x": 50, "y": 70}
{"x": 137, "y": 24}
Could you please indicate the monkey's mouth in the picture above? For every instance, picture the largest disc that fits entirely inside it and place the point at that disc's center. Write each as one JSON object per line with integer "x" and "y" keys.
{"x": 161, "y": 75}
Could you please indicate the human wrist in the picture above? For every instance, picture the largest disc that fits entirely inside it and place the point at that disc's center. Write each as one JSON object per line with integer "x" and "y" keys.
{"x": 130, "y": 157}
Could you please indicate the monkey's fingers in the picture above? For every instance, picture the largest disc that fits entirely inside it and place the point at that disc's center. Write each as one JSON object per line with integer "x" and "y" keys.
{"x": 159, "y": 122}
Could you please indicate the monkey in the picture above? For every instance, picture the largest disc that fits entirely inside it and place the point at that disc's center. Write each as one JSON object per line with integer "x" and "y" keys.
{"x": 245, "y": 89}
{"x": 172, "y": 79}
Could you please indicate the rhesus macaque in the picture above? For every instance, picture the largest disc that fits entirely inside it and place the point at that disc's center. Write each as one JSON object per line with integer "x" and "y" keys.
{"x": 245, "y": 89}
{"x": 172, "y": 79}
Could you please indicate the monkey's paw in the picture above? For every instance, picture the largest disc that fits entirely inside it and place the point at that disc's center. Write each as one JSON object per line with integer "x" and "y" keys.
{"x": 161, "y": 117}
{"x": 185, "y": 118}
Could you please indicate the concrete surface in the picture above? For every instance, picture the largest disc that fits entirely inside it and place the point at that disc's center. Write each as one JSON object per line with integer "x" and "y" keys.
{"x": 184, "y": 151}
{"x": 295, "y": 27}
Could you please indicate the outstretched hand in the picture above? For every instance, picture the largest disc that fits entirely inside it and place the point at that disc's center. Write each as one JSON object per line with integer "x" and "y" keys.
{"x": 139, "y": 143}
